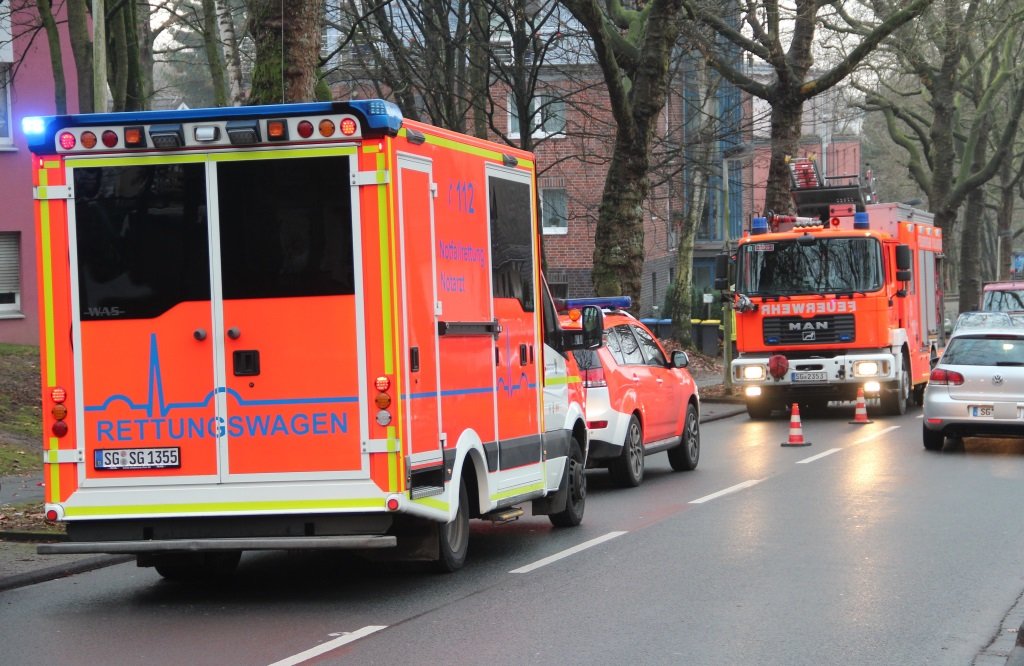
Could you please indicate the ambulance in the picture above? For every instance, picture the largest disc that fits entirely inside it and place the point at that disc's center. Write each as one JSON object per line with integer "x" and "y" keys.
{"x": 299, "y": 326}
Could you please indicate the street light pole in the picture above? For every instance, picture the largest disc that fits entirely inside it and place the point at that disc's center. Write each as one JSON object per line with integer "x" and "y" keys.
{"x": 726, "y": 305}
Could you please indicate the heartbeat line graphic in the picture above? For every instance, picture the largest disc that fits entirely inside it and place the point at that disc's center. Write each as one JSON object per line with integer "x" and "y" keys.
{"x": 156, "y": 403}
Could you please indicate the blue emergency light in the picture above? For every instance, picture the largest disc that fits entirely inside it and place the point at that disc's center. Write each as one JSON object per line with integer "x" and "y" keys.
{"x": 759, "y": 225}
{"x": 605, "y": 302}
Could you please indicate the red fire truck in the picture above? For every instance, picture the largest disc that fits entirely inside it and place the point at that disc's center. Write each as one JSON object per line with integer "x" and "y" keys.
{"x": 839, "y": 297}
{"x": 295, "y": 326}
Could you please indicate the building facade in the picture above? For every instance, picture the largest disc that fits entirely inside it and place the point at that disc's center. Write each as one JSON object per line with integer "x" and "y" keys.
{"x": 26, "y": 89}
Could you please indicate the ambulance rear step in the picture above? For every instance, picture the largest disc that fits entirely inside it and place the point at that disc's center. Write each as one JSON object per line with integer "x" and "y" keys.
{"x": 502, "y": 516}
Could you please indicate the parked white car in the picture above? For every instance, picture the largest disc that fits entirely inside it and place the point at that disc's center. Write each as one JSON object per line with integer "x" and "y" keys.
{"x": 977, "y": 386}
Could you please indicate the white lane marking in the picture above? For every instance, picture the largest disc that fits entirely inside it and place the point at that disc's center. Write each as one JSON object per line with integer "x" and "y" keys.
{"x": 567, "y": 552}
{"x": 348, "y": 637}
{"x": 730, "y": 489}
{"x": 876, "y": 435}
{"x": 820, "y": 455}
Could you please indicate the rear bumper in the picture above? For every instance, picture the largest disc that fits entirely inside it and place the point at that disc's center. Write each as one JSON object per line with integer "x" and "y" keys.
{"x": 232, "y": 544}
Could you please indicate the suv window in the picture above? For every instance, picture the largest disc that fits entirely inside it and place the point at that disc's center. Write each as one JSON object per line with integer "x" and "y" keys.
{"x": 652, "y": 352}
{"x": 611, "y": 341}
{"x": 631, "y": 353}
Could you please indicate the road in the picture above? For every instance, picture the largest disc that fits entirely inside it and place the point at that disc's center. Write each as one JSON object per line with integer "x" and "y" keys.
{"x": 862, "y": 548}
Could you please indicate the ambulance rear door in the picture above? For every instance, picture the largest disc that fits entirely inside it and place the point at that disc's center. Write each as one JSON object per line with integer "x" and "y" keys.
{"x": 215, "y": 318}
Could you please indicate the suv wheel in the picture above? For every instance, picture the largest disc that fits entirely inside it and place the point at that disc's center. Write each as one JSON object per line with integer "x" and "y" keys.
{"x": 628, "y": 469}
{"x": 684, "y": 457}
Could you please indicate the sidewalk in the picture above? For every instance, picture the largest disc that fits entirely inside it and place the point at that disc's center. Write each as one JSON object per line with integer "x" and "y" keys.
{"x": 20, "y": 565}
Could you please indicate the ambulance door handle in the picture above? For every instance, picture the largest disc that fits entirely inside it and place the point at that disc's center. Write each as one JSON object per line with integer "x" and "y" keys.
{"x": 234, "y": 333}
{"x": 199, "y": 334}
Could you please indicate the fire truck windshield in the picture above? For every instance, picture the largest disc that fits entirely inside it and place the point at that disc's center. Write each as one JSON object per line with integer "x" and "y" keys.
{"x": 824, "y": 266}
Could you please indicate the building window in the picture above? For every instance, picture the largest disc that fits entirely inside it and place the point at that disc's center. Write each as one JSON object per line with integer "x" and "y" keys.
{"x": 548, "y": 117}
{"x": 554, "y": 206}
{"x": 6, "y": 138}
{"x": 10, "y": 273}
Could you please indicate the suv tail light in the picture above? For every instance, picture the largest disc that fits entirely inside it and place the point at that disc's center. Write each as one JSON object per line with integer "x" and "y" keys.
{"x": 593, "y": 377}
{"x": 943, "y": 377}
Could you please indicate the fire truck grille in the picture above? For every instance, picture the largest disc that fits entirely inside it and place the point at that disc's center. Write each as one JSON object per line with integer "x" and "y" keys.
{"x": 814, "y": 331}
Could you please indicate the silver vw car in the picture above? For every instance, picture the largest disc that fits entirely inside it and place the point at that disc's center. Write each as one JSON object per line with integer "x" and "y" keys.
{"x": 977, "y": 387}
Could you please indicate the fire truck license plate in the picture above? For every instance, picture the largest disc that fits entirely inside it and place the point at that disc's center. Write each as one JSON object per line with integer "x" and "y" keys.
{"x": 137, "y": 458}
{"x": 809, "y": 376}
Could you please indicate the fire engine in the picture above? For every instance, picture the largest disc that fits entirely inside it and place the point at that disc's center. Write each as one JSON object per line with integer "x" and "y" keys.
{"x": 842, "y": 296}
{"x": 292, "y": 327}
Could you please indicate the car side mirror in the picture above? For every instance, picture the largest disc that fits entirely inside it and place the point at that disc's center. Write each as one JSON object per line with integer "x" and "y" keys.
{"x": 680, "y": 359}
{"x": 591, "y": 333}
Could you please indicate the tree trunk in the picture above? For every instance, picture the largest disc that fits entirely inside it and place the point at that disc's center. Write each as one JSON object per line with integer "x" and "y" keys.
{"x": 1004, "y": 219}
{"x": 287, "y": 51}
{"x": 214, "y": 58}
{"x": 229, "y": 42}
{"x": 787, "y": 118}
{"x": 99, "y": 56}
{"x": 60, "y": 93}
{"x": 81, "y": 49}
{"x": 117, "y": 66}
{"x": 619, "y": 234}
{"x": 680, "y": 304}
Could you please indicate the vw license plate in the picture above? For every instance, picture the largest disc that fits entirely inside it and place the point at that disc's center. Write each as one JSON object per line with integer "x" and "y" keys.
{"x": 137, "y": 458}
{"x": 809, "y": 376}
{"x": 981, "y": 410}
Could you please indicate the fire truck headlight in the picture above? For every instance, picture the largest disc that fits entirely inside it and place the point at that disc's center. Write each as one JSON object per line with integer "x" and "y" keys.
{"x": 752, "y": 391}
{"x": 865, "y": 368}
{"x": 872, "y": 387}
{"x": 754, "y": 372}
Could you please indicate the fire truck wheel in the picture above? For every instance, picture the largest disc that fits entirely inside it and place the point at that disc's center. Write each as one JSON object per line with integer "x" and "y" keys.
{"x": 684, "y": 458}
{"x": 628, "y": 469}
{"x": 933, "y": 439}
{"x": 919, "y": 395}
{"x": 198, "y": 566}
{"x": 576, "y": 501}
{"x": 896, "y": 399}
{"x": 453, "y": 541}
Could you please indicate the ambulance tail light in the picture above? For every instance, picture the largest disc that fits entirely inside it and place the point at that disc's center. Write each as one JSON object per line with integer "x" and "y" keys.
{"x": 593, "y": 377}
{"x": 305, "y": 129}
{"x": 109, "y": 138}
{"x": 134, "y": 137}
{"x": 67, "y": 140}
{"x": 59, "y": 411}
{"x": 383, "y": 400}
{"x": 88, "y": 140}
{"x": 277, "y": 130}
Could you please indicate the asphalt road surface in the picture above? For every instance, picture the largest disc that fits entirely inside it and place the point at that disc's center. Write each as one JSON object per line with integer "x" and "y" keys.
{"x": 862, "y": 548}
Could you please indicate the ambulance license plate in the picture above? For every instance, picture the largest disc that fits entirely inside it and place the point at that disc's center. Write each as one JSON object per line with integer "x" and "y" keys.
{"x": 810, "y": 376}
{"x": 137, "y": 458}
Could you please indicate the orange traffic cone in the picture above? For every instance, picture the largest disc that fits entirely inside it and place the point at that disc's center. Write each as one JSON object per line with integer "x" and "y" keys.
{"x": 796, "y": 433}
{"x": 861, "y": 414}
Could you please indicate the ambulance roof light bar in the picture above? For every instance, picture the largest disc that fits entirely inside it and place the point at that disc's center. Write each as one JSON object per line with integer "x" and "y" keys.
{"x": 604, "y": 302}
{"x": 376, "y": 117}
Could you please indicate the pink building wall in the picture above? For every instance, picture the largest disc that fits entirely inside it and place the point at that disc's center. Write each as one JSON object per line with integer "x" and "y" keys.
{"x": 32, "y": 94}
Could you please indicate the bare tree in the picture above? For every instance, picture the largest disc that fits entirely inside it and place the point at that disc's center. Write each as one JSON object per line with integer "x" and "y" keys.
{"x": 784, "y": 38}
{"x": 633, "y": 48}
{"x": 229, "y": 42}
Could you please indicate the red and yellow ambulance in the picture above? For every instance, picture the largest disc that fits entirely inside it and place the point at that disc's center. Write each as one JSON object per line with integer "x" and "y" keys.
{"x": 295, "y": 326}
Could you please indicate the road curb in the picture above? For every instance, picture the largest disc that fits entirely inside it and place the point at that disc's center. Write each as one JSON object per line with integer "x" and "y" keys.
{"x": 61, "y": 571}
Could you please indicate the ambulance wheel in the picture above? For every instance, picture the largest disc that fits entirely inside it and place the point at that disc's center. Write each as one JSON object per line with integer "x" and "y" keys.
{"x": 627, "y": 470}
{"x": 198, "y": 566}
{"x": 576, "y": 499}
{"x": 684, "y": 457}
{"x": 453, "y": 537}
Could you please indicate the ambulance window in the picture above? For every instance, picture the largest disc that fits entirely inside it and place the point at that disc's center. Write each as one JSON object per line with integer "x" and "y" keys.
{"x": 141, "y": 239}
{"x": 511, "y": 210}
{"x": 631, "y": 354}
{"x": 285, "y": 227}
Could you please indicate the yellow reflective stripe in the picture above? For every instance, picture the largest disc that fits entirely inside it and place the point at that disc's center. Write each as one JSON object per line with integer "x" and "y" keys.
{"x": 135, "y": 160}
{"x": 50, "y": 338}
{"x": 561, "y": 381}
{"x": 386, "y": 271}
{"x": 433, "y": 503}
{"x": 517, "y": 491}
{"x": 470, "y": 150}
{"x": 281, "y": 154}
{"x": 51, "y": 164}
{"x": 224, "y": 507}
{"x": 394, "y": 461}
